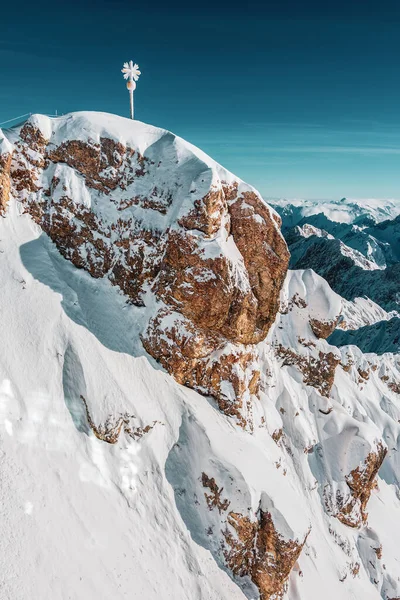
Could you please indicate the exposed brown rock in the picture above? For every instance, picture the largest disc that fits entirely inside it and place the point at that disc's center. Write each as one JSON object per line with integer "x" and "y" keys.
{"x": 214, "y": 499}
{"x": 105, "y": 166}
{"x": 317, "y": 372}
{"x": 306, "y": 343}
{"x": 198, "y": 359}
{"x": 394, "y": 386}
{"x": 109, "y": 431}
{"x": 277, "y": 434}
{"x": 5, "y": 183}
{"x": 128, "y": 263}
{"x": 112, "y": 428}
{"x": 253, "y": 547}
{"x": 296, "y": 300}
{"x": 33, "y": 137}
{"x": 265, "y": 256}
{"x": 202, "y": 289}
{"x": 230, "y": 190}
{"x": 136, "y": 433}
{"x": 361, "y": 482}
{"x": 258, "y": 551}
{"x": 185, "y": 271}
{"x": 28, "y": 162}
{"x": 323, "y": 329}
{"x": 207, "y": 213}
{"x": 364, "y": 374}
{"x": 347, "y": 366}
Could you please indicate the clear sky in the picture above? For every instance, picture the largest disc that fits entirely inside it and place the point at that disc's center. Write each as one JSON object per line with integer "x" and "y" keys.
{"x": 301, "y": 99}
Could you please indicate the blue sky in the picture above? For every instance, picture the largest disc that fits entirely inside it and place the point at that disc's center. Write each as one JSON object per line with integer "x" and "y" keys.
{"x": 298, "y": 98}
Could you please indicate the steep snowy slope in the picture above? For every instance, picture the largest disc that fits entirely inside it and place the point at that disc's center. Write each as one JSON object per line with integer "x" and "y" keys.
{"x": 83, "y": 518}
{"x": 122, "y": 245}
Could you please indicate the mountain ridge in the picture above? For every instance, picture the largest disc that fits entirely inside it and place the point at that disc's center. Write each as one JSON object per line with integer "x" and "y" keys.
{"x": 152, "y": 486}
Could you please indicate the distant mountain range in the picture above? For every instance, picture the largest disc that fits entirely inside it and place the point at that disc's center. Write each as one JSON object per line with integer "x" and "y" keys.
{"x": 357, "y": 251}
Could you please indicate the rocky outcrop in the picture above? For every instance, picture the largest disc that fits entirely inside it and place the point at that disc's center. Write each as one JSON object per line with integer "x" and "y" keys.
{"x": 214, "y": 499}
{"x": 323, "y": 329}
{"x": 199, "y": 241}
{"x": 5, "y": 166}
{"x": 111, "y": 429}
{"x": 204, "y": 361}
{"x": 251, "y": 545}
{"x": 318, "y": 371}
{"x": 259, "y": 545}
{"x": 256, "y": 549}
{"x": 361, "y": 481}
{"x": 246, "y": 522}
{"x": 265, "y": 256}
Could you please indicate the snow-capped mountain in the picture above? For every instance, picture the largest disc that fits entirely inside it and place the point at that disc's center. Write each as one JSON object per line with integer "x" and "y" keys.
{"x": 355, "y": 250}
{"x": 175, "y": 419}
{"x": 346, "y": 210}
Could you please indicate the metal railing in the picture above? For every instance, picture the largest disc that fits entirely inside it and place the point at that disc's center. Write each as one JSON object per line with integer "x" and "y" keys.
{"x": 26, "y": 115}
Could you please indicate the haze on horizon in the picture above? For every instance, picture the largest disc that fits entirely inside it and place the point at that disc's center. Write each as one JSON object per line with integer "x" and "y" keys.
{"x": 301, "y": 100}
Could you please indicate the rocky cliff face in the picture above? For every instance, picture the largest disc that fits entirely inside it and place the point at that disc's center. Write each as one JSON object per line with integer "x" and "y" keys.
{"x": 166, "y": 222}
{"x": 266, "y": 484}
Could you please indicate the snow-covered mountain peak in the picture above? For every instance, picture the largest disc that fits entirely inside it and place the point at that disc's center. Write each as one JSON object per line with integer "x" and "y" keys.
{"x": 168, "y": 226}
{"x": 172, "y": 407}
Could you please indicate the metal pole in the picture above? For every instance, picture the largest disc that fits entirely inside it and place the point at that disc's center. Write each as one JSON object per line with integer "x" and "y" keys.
{"x": 131, "y": 102}
{"x": 131, "y": 74}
